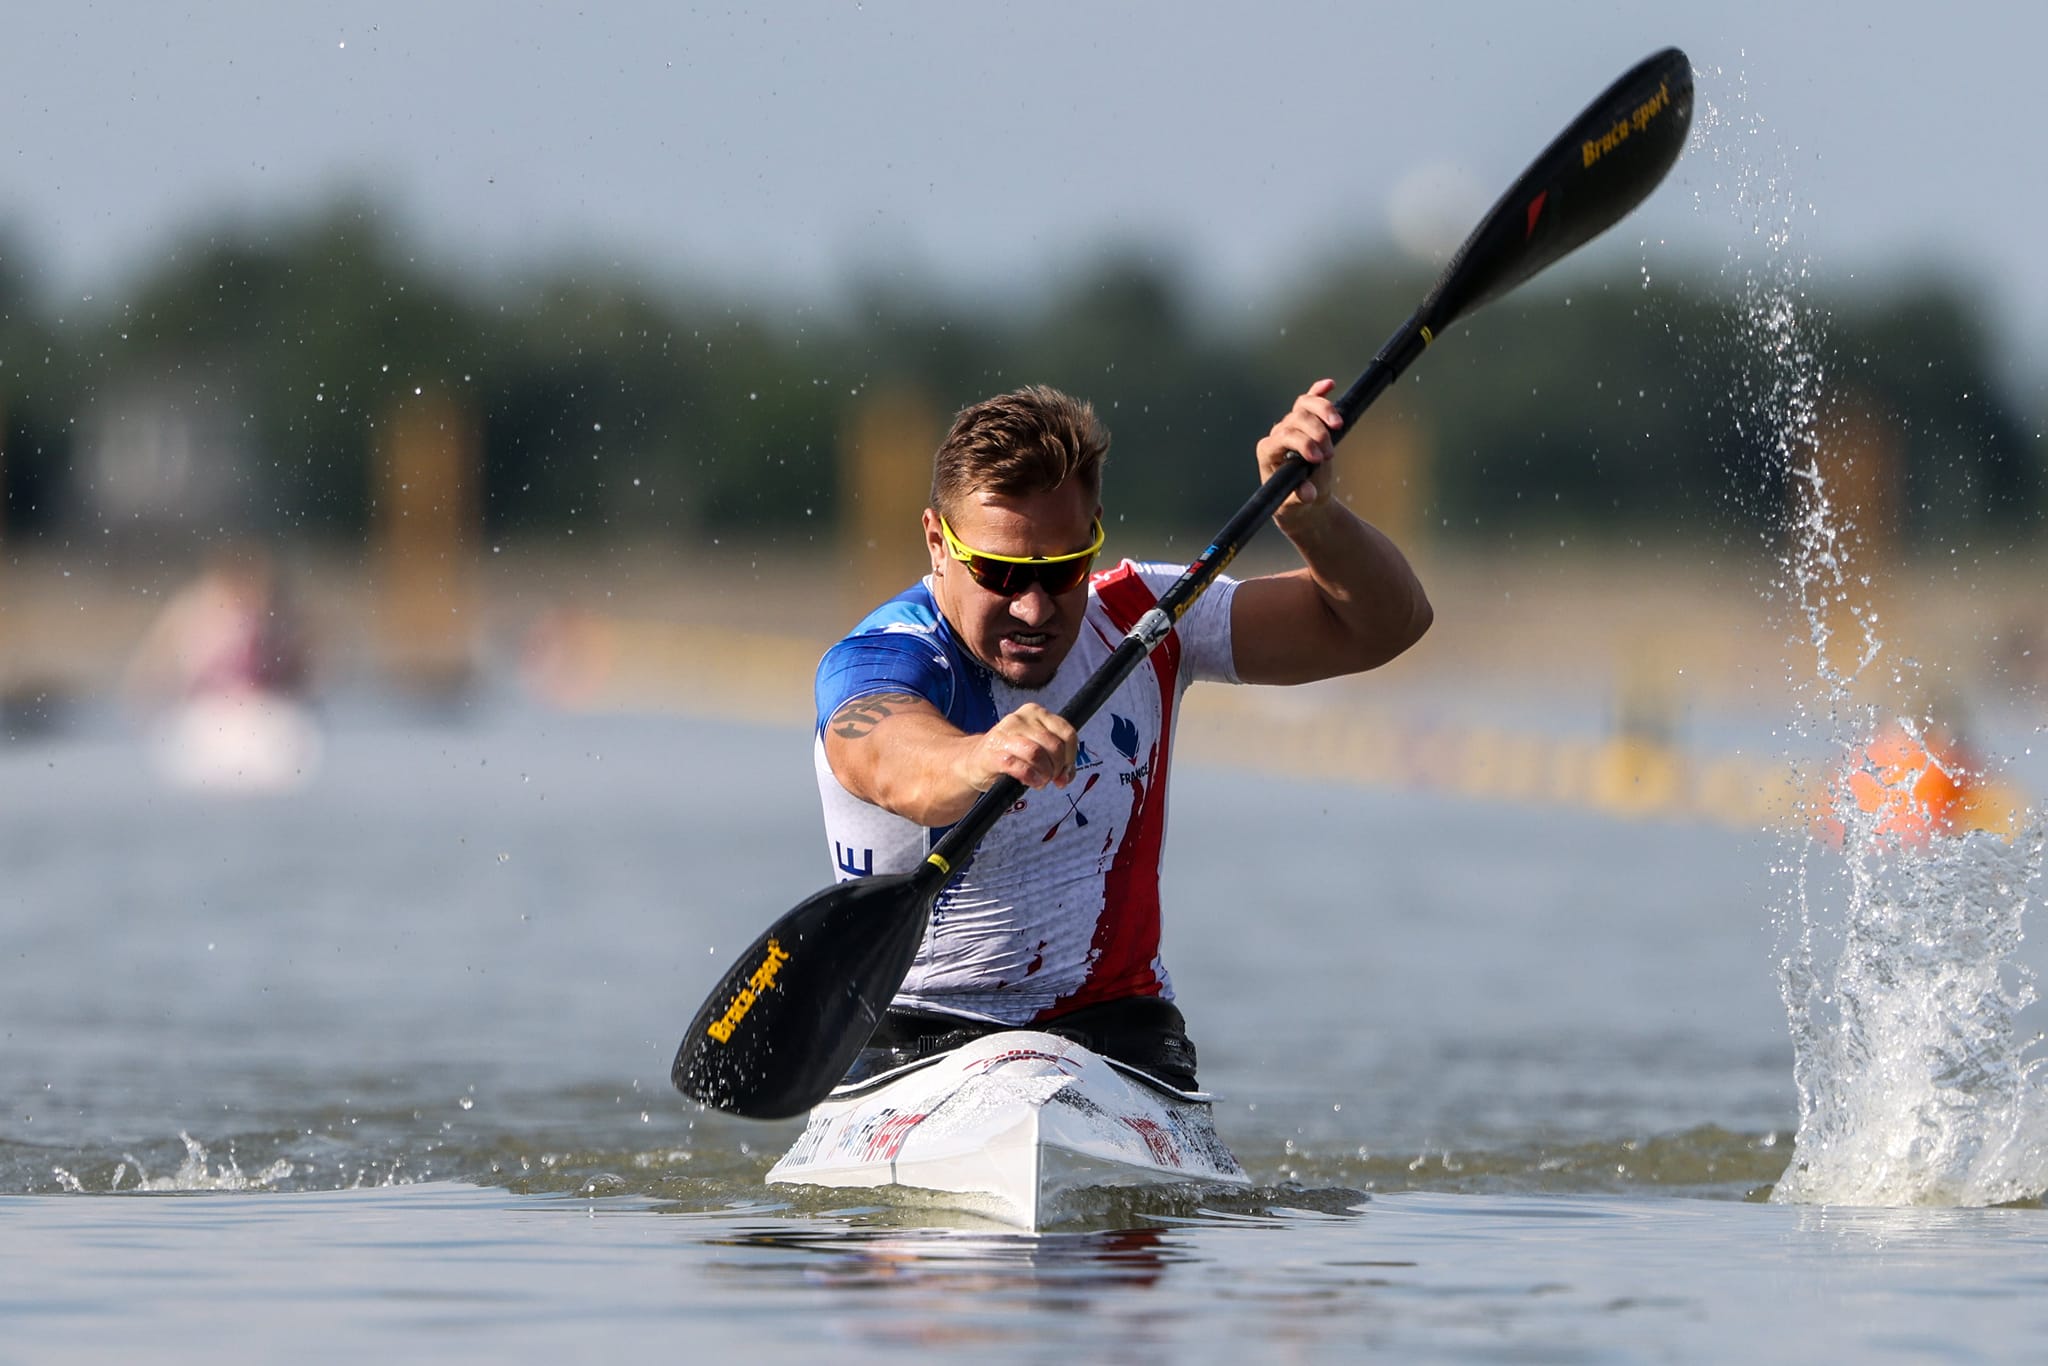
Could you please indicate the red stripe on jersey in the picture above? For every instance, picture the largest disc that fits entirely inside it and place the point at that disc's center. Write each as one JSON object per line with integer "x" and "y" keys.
{"x": 1126, "y": 941}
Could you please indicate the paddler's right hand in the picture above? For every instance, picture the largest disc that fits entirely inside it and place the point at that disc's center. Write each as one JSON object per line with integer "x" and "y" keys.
{"x": 1031, "y": 744}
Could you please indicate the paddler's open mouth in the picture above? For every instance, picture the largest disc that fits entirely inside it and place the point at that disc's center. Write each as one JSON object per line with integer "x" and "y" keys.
{"x": 1025, "y": 647}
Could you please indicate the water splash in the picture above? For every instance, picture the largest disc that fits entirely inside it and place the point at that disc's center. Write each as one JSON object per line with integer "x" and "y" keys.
{"x": 1898, "y": 936}
{"x": 1915, "y": 1080}
{"x": 193, "y": 1174}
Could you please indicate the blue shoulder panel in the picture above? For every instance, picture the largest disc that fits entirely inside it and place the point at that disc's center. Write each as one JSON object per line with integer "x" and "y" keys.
{"x": 905, "y": 646}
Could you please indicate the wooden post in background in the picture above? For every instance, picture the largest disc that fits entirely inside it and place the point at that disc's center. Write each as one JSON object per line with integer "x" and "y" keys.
{"x": 9, "y": 608}
{"x": 5, "y": 507}
{"x": 885, "y": 479}
{"x": 427, "y": 516}
{"x": 1383, "y": 475}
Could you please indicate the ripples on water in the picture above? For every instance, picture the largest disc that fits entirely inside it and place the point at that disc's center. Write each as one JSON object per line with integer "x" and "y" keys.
{"x": 477, "y": 975}
{"x": 288, "y": 1025}
{"x": 727, "y": 1166}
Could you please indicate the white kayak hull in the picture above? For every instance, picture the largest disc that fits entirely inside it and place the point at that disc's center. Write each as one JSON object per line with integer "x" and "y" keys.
{"x": 1023, "y": 1127}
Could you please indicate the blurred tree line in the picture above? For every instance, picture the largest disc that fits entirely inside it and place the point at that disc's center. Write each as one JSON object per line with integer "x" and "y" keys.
{"x": 1619, "y": 408}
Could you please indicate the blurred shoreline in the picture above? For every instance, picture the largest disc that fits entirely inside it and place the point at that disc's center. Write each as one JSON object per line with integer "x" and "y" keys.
{"x": 1647, "y": 682}
{"x": 1559, "y": 620}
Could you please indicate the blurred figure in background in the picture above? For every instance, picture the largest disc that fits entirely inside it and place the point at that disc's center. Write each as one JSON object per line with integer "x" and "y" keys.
{"x": 222, "y": 676}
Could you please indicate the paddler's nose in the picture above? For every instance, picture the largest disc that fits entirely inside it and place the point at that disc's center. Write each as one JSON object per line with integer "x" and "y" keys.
{"x": 1033, "y": 606}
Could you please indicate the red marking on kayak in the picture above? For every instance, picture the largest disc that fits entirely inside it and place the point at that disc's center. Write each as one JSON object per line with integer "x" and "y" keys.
{"x": 1164, "y": 1150}
{"x": 887, "y": 1139}
{"x": 1535, "y": 212}
{"x": 1027, "y": 1054}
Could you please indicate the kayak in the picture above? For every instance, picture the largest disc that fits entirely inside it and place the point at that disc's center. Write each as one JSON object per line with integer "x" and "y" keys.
{"x": 1027, "y": 1128}
{"x": 249, "y": 743}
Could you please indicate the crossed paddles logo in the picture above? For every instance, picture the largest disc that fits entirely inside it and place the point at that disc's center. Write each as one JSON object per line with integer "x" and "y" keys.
{"x": 1073, "y": 808}
{"x": 1123, "y": 737}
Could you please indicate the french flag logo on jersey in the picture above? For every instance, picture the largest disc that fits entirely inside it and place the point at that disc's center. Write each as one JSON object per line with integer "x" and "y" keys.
{"x": 1123, "y": 733}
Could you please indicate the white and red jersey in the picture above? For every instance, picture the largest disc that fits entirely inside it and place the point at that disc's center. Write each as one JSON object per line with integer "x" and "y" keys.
{"x": 1059, "y": 906}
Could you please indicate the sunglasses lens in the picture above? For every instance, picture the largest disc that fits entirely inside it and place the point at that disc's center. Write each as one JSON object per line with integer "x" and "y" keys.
{"x": 1066, "y": 577}
{"x": 1000, "y": 576}
{"x": 1008, "y": 578}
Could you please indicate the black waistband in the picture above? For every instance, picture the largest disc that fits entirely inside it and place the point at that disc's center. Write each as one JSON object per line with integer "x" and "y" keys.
{"x": 1144, "y": 1032}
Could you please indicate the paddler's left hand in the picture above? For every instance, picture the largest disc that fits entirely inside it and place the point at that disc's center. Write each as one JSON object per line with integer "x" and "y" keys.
{"x": 1309, "y": 428}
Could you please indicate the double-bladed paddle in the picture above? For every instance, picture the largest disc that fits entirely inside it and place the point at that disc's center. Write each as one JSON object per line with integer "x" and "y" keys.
{"x": 783, "y": 1025}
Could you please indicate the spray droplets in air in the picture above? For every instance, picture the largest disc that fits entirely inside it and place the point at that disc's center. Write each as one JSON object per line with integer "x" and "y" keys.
{"x": 1898, "y": 929}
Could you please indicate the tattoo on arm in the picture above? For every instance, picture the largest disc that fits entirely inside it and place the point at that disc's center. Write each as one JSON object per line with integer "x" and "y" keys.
{"x": 858, "y": 718}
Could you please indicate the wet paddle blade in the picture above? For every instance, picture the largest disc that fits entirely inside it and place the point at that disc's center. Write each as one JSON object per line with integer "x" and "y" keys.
{"x": 1603, "y": 165}
{"x": 785, "y": 1023}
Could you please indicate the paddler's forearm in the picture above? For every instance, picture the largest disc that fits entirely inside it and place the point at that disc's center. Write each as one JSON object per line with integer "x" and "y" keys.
{"x": 924, "y": 783}
{"x": 896, "y": 751}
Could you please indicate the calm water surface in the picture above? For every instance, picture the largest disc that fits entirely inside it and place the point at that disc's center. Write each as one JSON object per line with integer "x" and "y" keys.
{"x": 381, "y": 1066}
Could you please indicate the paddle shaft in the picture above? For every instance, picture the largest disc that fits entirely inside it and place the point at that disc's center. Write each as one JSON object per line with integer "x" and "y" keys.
{"x": 784, "y": 1023}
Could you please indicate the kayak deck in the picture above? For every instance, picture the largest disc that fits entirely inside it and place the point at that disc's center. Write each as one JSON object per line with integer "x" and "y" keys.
{"x": 1017, "y": 1125}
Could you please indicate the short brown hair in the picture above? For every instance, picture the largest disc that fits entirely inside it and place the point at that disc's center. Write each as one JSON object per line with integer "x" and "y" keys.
{"x": 1030, "y": 440}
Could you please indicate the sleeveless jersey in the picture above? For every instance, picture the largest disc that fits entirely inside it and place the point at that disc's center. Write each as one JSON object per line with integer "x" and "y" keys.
{"x": 1058, "y": 907}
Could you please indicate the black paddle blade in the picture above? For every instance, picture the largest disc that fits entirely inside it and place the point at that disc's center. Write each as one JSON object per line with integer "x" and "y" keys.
{"x": 1598, "y": 169}
{"x": 784, "y": 1024}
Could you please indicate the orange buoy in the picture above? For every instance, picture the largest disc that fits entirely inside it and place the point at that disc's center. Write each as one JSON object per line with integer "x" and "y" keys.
{"x": 1913, "y": 783}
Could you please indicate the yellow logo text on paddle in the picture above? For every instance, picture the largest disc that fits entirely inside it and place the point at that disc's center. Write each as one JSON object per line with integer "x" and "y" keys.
{"x": 762, "y": 978}
{"x": 1639, "y": 119}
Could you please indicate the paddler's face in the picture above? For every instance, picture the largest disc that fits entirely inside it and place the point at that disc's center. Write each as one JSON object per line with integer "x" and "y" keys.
{"x": 1021, "y": 637}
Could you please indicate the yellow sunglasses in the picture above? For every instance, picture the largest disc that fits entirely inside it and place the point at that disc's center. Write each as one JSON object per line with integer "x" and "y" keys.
{"x": 1009, "y": 575}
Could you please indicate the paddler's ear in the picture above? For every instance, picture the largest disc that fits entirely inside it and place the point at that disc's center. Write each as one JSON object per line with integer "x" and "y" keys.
{"x": 934, "y": 540}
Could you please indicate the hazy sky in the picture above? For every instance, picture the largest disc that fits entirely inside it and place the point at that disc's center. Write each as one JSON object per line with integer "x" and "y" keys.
{"x": 790, "y": 143}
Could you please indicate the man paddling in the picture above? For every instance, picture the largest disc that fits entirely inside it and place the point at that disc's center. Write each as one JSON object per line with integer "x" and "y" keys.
{"x": 1054, "y": 922}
